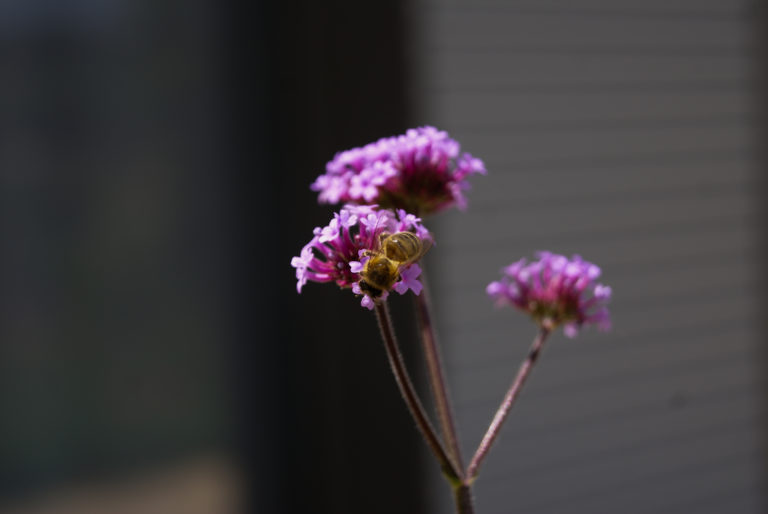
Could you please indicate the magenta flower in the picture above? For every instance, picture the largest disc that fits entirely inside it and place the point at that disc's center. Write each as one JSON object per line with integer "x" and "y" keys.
{"x": 555, "y": 290}
{"x": 338, "y": 251}
{"x": 421, "y": 171}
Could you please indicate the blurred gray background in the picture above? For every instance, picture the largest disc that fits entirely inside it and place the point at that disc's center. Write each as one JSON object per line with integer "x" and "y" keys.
{"x": 155, "y": 159}
{"x": 627, "y": 132}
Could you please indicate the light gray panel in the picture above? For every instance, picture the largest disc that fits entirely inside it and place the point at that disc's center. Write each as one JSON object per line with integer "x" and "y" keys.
{"x": 504, "y": 28}
{"x": 449, "y": 71}
{"x": 601, "y": 8}
{"x": 535, "y": 106}
{"x": 626, "y": 132}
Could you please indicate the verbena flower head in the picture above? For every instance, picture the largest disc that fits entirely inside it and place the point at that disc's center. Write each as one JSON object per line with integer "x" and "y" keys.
{"x": 338, "y": 251}
{"x": 421, "y": 171}
{"x": 555, "y": 290}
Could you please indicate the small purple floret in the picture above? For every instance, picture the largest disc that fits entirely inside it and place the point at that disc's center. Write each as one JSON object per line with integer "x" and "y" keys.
{"x": 409, "y": 280}
{"x": 555, "y": 290}
{"x": 421, "y": 171}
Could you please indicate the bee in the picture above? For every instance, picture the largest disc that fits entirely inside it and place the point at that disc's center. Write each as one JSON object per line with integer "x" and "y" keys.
{"x": 396, "y": 251}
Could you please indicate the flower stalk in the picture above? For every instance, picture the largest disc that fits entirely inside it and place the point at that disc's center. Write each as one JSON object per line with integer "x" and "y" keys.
{"x": 506, "y": 404}
{"x": 463, "y": 496}
{"x": 448, "y": 466}
{"x": 435, "y": 370}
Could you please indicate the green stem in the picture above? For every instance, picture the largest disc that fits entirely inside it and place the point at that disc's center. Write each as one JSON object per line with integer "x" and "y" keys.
{"x": 436, "y": 376}
{"x": 506, "y": 404}
{"x": 450, "y": 469}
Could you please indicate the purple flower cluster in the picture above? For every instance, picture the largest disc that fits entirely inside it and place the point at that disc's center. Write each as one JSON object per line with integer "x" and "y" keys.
{"x": 336, "y": 252}
{"x": 421, "y": 171}
{"x": 555, "y": 290}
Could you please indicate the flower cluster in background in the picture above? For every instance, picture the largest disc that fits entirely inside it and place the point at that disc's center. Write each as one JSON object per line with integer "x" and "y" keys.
{"x": 336, "y": 252}
{"x": 555, "y": 290}
{"x": 421, "y": 171}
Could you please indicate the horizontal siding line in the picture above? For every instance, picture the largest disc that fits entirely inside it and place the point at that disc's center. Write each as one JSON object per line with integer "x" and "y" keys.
{"x": 709, "y": 496}
{"x": 723, "y": 360}
{"x": 560, "y": 88}
{"x": 516, "y": 251}
{"x": 733, "y": 329}
{"x": 647, "y": 478}
{"x": 730, "y": 425}
{"x": 716, "y": 358}
{"x": 640, "y": 186}
{"x": 615, "y": 344}
{"x": 629, "y": 195}
{"x": 653, "y": 335}
{"x": 698, "y": 51}
{"x": 685, "y": 15}
{"x": 754, "y": 489}
{"x": 696, "y": 258}
{"x": 734, "y": 196}
{"x": 635, "y": 159}
{"x": 709, "y": 223}
{"x": 663, "y": 476}
{"x": 746, "y": 391}
{"x": 741, "y": 119}
{"x": 613, "y": 486}
{"x": 748, "y": 289}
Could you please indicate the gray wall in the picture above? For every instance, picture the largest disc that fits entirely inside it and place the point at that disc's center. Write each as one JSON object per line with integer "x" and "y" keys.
{"x": 626, "y": 132}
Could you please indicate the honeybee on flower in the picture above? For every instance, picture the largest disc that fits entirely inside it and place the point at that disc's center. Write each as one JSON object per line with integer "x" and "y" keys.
{"x": 356, "y": 236}
{"x": 384, "y": 267}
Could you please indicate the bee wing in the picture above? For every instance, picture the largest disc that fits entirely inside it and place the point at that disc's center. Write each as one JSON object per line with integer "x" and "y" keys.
{"x": 426, "y": 244}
